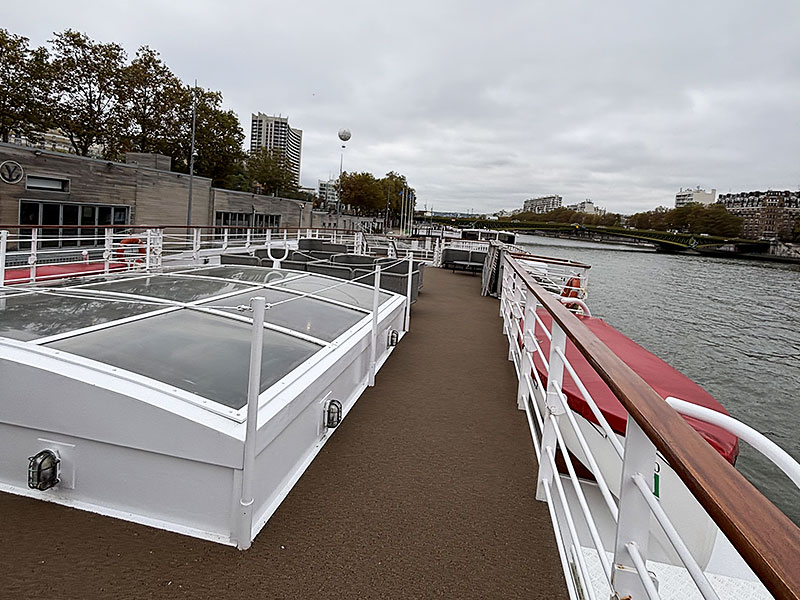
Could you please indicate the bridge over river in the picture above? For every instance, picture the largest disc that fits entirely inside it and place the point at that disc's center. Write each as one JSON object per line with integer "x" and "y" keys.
{"x": 664, "y": 241}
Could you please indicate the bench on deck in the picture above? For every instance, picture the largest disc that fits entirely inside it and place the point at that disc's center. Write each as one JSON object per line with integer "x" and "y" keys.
{"x": 463, "y": 260}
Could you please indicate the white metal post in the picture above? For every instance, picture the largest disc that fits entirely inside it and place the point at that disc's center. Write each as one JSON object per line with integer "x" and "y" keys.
{"x": 247, "y": 238}
{"x": 196, "y": 245}
{"x": 107, "y": 250}
{"x": 32, "y": 258}
{"x": 373, "y": 353}
{"x": 225, "y": 238}
{"x": 408, "y": 292}
{"x": 245, "y": 533}
{"x": 158, "y": 249}
{"x": 526, "y": 364}
{"x": 553, "y": 406}
{"x": 148, "y": 250}
{"x": 633, "y": 522}
{"x": 3, "y": 247}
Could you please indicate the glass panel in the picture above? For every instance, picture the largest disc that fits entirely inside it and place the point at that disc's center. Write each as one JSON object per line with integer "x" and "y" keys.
{"x": 51, "y": 215}
{"x": 244, "y": 273}
{"x": 307, "y": 315}
{"x": 179, "y": 289}
{"x": 29, "y": 213}
{"x": 196, "y": 352}
{"x": 69, "y": 216}
{"x": 88, "y": 217}
{"x": 33, "y": 316}
{"x": 120, "y": 216}
{"x": 348, "y": 293}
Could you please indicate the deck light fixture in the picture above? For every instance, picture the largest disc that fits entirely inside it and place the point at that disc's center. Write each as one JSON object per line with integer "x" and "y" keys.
{"x": 333, "y": 414}
{"x": 43, "y": 470}
{"x": 394, "y": 337}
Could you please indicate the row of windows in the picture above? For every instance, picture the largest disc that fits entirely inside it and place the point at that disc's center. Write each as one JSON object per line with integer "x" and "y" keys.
{"x": 239, "y": 220}
{"x": 68, "y": 224}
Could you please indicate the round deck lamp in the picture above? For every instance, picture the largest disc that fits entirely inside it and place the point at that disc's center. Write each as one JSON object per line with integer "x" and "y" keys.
{"x": 43, "y": 470}
{"x": 333, "y": 414}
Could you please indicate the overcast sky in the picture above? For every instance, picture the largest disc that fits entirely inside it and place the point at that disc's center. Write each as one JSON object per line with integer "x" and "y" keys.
{"x": 482, "y": 104}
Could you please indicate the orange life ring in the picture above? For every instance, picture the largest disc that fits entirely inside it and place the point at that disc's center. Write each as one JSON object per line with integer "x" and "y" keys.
{"x": 571, "y": 289}
{"x": 120, "y": 252}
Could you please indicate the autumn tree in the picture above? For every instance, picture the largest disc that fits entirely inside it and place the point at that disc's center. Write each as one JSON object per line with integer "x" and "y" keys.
{"x": 218, "y": 136}
{"x": 87, "y": 81}
{"x": 153, "y": 104}
{"x": 362, "y": 192}
{"x": 24, "y": 87}
{"x": 270, "y": 171}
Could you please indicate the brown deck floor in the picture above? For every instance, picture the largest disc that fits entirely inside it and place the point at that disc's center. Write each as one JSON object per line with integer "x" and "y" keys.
{"x": 426, "y": 490}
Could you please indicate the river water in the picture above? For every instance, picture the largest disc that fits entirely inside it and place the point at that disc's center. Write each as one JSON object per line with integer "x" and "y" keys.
{"x": 732, "y": 326}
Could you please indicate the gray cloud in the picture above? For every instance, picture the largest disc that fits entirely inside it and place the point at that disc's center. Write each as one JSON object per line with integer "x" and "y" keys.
{"x": 483, "y": 104}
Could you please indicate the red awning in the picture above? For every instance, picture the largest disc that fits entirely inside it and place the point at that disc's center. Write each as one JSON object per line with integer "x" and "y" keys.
{"x": 663, "y": 378}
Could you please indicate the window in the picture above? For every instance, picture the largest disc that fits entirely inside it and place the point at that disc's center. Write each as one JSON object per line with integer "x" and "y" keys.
{"x": 237, "y": 221}
{"x": 47, "y": 184}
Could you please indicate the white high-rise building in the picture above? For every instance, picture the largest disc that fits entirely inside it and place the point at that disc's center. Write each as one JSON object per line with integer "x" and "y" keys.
{"x": 696, "y": 196}
{"x": 542, "y": 204}
{"x": 274, "y": 133}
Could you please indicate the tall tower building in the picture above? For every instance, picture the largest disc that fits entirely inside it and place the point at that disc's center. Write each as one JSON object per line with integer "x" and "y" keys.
{"x": 274, "y": 133}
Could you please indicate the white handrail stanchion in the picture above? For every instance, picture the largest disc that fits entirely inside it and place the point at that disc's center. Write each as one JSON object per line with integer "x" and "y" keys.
{"x": 148, "y": 249}
{"x": 245, "y": 532}
{"x": 107, "y": 250}
{"x": 3, "y": 249}
{"x": 553, "y": 407}
{"x": 526, "y": 364}
{"x": 633, "y": 523}
{"x": 196, "y": 246}
{"x": 373, "y": 353}
{"x": 407, "y": 323}
{"x": 248, "y": 237}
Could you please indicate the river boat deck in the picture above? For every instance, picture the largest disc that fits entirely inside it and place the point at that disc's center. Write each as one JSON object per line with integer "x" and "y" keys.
{"x": 427, "y": 489}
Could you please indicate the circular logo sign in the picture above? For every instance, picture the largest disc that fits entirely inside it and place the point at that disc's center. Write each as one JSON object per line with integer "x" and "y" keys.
{"x": 10, "y": 171}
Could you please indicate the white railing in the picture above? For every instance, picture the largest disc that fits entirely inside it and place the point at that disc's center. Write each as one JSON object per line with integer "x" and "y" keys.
{"x": 624, "y": 498}
{"x": 29, "y": 255}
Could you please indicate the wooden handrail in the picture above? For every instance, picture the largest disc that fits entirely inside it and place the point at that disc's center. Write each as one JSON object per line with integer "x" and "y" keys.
{"x": 766, "y": 538}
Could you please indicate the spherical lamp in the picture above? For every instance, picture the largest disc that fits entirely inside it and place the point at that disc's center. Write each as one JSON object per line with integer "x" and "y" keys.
{"x": 344, "y": 134}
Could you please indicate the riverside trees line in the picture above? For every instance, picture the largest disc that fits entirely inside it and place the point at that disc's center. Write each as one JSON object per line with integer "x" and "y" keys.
{"x": 711, "y": 219}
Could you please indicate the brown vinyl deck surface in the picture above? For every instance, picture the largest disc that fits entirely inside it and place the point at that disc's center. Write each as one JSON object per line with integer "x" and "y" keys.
{"x": 427, "y": 490}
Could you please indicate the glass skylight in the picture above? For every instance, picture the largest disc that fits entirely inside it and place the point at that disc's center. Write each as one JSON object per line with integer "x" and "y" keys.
{"x": 205, "y": 354}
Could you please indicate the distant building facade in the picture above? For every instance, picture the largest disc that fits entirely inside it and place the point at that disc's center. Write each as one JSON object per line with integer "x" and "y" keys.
{"x": 52, "y": 140}
{"x": 542, "y": 204}
{"x": 695, "y": 196}
{"x": 767, "y": 215}
{"x": 274, "y": 133}
{"x": 328, "y": 193}
{"x": 587, "y": 207}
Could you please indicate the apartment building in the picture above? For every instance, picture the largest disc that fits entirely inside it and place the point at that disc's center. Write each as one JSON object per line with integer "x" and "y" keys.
{"x": 695, "y": 196}
{"x": 274, "y": 133}
{"x": 767, "y": 215}
{"x": 542, "y": 204}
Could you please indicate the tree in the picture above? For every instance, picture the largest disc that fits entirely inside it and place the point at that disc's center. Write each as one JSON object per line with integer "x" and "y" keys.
{"x": 24, "y": 87}
{"x": 218, "y": 137}
{"x": 393, "y": 186}
{"x": 269, "y": 169}
{"x": 151, "y": 102}
{"x": 362, "y": 192}
{"x": 87, "y": 80}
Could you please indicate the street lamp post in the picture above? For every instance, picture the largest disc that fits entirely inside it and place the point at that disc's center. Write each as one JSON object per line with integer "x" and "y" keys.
{"x": 192, "y": 156}
{"x": 344, "y": 136}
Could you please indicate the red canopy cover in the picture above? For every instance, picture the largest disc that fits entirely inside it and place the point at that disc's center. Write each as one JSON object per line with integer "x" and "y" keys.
{"x": 664, "y": 379}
